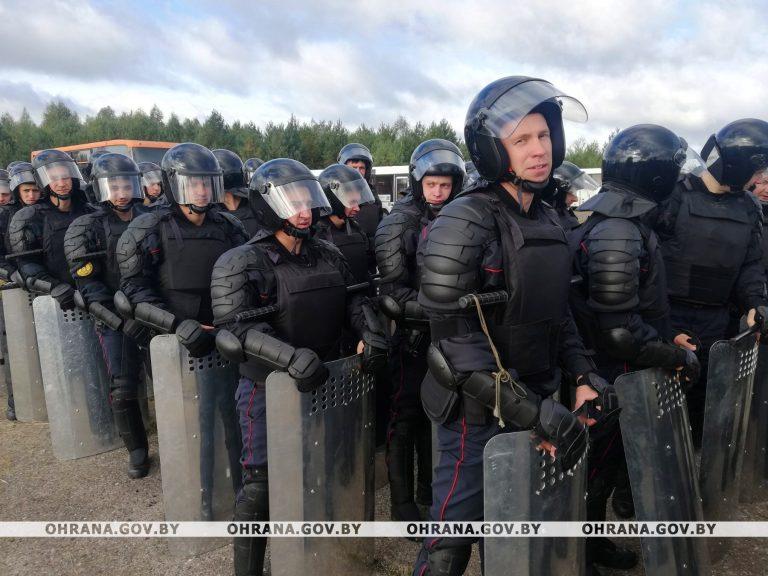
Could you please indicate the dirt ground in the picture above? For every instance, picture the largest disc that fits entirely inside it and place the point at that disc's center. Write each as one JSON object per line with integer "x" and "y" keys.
{"x": 35, "y": 486}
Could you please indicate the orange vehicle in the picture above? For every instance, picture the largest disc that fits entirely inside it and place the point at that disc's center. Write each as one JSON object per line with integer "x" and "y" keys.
{"x": 139, "y": 150}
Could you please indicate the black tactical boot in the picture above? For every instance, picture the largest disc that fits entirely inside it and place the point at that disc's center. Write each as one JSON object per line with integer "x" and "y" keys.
{"x": 130, "y": 426}
{"x": 605, "y": 553}
{"x": 252, "y": 505}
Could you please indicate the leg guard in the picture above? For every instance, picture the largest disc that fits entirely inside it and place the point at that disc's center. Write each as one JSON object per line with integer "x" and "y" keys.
{"x": 423, "y": 443}
{"x": 448, "y": 561}
{"x": 130, "y": 426}
{"x": 252, "y": 505}
{"x": 400, "y": 452}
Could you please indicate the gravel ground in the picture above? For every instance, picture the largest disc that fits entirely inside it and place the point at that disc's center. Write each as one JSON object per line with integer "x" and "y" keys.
{"x": 35, "y": 486}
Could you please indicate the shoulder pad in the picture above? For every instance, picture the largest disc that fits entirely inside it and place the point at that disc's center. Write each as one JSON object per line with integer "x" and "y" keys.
{"x": 614, "y": 204}
{"x": 148, "y": 220}
{"x": 615, "y": 229}
{"x": 472, "y": 208}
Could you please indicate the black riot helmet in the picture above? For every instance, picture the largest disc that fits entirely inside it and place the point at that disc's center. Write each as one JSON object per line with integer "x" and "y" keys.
{"x": 344, "y": 187}
{"x": 647, "y": 158}
{"x": 151, "y": 174}
{"x": 497, "y": 110}
{"x": 570, "y": 179}
{"x": 192, "y": 177}
{"x": 14, "y": 163}
{"x": 280, "y": 189}
{"x": 436, "y": 157}
{"x": 249, "y": 167}
{"x": 234, "y": 172}
{"x": 86, "y": 169}
{"x": 737, "y": 152}
{"x": 358, "y": 152}
{"x": 116, "y": 181}
{"x": 20, "y": 173}
{"x": 5, "y": 188}
{"x": 52, "y": 168}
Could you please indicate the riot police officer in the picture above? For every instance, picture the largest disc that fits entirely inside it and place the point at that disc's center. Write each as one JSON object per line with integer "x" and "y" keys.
{"x": 236, "y": 189}
{"x": 711, "y": 243}
{"x": 89, "y": 245}
{"x": 307, "y": 278}
{"x": 758, "y": 186}
{"x": 249, "y": 167}
{"x": 36, "y": 233}
{"x": 347, "y": 193}
{"x": 165, "y": 259}
{"x": 436, "y": 174}
{"x": 621, "y": 304}
{"x": 568, "y": 180}
{"x": 359, "y": 157}
{"x": 499, "y": 235}
{"x": 151, "y": 183}
{"x": 5, "y": 188}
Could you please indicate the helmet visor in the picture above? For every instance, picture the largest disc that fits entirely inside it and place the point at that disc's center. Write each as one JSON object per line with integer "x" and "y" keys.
{"x": 57, "y": 173}
{"x": 583, "y": 184}
{"x": 119, "y": 190}
{"x": 5, "y": 187}
{"x": 151, "y": 177}
{"x": 25, "y": 177}
{"x": 352, "y": 194}
{"x": 439, "y": 162}
{"x": 510, "y": 108}
{"x": 693, "y": 162}
{"x": 197, "y": 189}
{"x": 295, "y": 197}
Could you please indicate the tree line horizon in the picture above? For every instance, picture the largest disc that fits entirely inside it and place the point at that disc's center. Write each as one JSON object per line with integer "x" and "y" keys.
{"x": 315, "y": 143}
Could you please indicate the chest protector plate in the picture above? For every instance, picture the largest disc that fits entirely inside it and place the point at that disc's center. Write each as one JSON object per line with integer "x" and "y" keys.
{"x": 55, "y": 226}
{"x": 703, "y": 258}
{"x": 112, "y": 229}
{"x": 354, "y": 245}
{"x": 189, "y": 253}
{"x": 537, "y": 272}
{"x": 312, "y": 303}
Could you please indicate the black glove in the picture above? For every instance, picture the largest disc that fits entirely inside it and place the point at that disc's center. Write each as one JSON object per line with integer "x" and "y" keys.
{"x": 64, "y": 294}
{"x": 691, "y": 369}
{"x": 558, "y": 426}
{"x": 307, "y": 369}
{"x": 137, "y": 332}
{"x": 194, "y": 338}
{"x": 607, "y": 399}
{"x": 375, "y": 351}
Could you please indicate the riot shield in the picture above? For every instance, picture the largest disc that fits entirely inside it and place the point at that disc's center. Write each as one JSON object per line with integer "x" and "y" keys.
{"x": 726, "y": 414}
{"x": 25, "y": 364}
{"x": 754, "y": 470}
{"x": 5, "y": 364}
{"x": 522, "y": 484}
{"x": 662, "y": 472}
{"x": 75, "y": 380}
{"x": 320, "y": 448}
{"x": 198, "y": 458}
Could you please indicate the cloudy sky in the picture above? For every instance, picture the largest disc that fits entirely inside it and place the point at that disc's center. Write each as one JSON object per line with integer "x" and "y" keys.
{"x": 690, "y": 65}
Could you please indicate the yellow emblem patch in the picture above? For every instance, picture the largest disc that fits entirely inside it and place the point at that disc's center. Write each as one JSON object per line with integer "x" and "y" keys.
{"x": 86, "y": 270}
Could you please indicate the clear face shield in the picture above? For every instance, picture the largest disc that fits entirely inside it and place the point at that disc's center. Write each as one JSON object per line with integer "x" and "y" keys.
{"x": 583, "y": 186}
{"x": 431, "y": 162}
{"x": 19, "y": 178}
{"x": 510, "y": 108}
{"x": 352, "y": 194}
{"x": 293, "y": 198}
{"x": 119, "y": 190}
{"x": 197, "y": 189}
{"x": 59, "y": 177}
{"x": 5, "y": 192}
{"x": 152, "y": 177}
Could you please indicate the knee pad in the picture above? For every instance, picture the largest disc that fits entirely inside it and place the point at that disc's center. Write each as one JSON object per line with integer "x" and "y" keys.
{"x": 449, "y": 561}
{"x": 124, "y": 392}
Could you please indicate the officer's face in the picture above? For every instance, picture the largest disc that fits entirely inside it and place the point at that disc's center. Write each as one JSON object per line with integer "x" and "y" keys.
{"x": 530, "y": 149}
{"x": 436, "y": 188}
{"x": 29, "y": 193}
{"x": 300, "y": 201}
{"x": 760, "y": 182}
{"x": 61, "y": 181}
{"x": 153, "y": 190}
{"x": 120, "y": 191}
{"x": 5, "y": 196}
{"x": 358, "y": 165}
{"x": 353, "y": 199}
{"x": 199, "y": 190}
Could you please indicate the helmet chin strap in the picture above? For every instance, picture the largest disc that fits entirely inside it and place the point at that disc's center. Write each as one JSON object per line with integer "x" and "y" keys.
{"x": 199, "y": 209}
{"x": 300, "y": 233}
{"x": 120, "y": 208}
{"x": 524, "y": 185}
{"x": 67, "y": 196}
